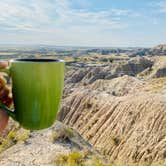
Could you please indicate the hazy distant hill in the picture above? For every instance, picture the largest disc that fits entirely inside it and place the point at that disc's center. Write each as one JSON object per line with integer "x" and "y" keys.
{"x": 14, "y": 51}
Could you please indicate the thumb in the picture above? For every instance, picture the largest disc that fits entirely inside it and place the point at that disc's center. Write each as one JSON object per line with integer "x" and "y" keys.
{"x": 3, "y": 120}
{"x": 3, "y": 64}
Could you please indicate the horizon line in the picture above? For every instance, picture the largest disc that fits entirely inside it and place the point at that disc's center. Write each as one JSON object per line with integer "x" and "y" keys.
{"x": 76, "y": 46}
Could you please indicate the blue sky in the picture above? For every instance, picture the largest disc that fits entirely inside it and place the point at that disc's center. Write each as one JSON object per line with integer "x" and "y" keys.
{"x": 83, "y": 22}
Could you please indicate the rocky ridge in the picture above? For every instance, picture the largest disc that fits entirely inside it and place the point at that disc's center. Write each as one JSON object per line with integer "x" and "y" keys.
{"x": 56, "y": 146}
{"x": 122, "y": 117}
{"x": 119, "y": 108}
{"x": 127, "y": 124}
{"x": 76, "y": 77}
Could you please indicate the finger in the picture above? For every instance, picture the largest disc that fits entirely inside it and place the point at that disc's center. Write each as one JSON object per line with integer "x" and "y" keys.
{"x": 8, "y": 101}
{"x": 4, "y": 93}
{"x": 3, "y": 64}
{"x": 3, "y": 120}
{"x": 2, "y": 82}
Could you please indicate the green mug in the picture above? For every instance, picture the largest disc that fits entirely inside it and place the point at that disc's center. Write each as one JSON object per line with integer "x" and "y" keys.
{"x": 37, "y": 86}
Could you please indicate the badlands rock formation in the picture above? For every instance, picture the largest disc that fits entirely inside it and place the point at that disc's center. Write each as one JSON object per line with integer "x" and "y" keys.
{"x": 157, "y": 70}
{"x": 56, "y": 146}
{"x": 158, "y": 50}
{"x": 124, "y": 118}
{"x": 77, "y": 77}
{"x": 120, "y": 109}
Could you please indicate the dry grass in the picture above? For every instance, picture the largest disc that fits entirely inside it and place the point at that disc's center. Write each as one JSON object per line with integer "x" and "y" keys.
{"x": 156, "y": 85}
{"x": 159, "y": 163}
{"x": 79, "y": 158}
{"x": 12, "y": 138}
{"x": 62, "y": 135}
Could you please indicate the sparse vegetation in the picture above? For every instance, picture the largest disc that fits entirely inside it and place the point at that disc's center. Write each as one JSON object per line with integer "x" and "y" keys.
{"x": 8, "y": 141}
{"x": 4, "y": 145}
{"x": 79, "y": 158}
{"x": 88, "y": 105}
{"x": 67, "y": 133}
{"x": 96, "y": 162}
{"x": 155, "y": 85}
{"x": 12, "y": 135}
{"x": 23, "y": 137}
{"x": 104, "y": 60}
{"x": 12, "y": 138}
{"x": 115, "y": 140}
{"x": 72, "y": 159}
{"x": 159, "y": 163}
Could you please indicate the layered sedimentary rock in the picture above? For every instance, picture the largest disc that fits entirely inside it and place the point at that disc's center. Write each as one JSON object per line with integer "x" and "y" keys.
{"x": 124, "y": 118}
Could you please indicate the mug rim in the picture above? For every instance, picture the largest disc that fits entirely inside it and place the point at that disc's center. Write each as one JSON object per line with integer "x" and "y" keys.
{"x": 35, "y": 60}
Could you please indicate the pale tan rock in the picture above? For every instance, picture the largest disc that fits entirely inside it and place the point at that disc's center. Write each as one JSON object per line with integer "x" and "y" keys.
{"x": 124, "y": 118}
{"x": 43, "y": 147}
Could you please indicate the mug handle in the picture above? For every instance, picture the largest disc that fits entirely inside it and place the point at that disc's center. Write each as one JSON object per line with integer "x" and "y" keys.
{"x": 3, "y": 106}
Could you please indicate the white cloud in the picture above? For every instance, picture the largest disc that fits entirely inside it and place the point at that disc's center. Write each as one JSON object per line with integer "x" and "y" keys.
{"x": 16, "y": 15}
{"x": 55, "y": 14}
{"x": 160, "y": 6}
{"x": 57, "y": 21}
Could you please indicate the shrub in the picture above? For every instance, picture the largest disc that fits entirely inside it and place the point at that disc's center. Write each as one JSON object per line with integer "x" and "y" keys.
{"x": 79, "y": 158}
{"x": 12, "y": 138}
{"x": 71, "y": 159}
{"x": 67, "y": 133}
{"x": 115, "y": 140}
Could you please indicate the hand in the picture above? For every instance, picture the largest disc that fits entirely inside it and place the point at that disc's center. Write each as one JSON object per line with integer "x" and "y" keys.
{"x": 4, "y": 92}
